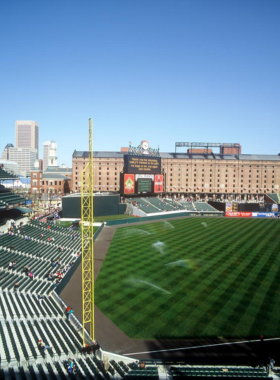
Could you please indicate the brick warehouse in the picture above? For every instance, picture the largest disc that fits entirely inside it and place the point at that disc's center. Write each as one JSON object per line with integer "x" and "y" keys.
{"x": 198, "y": 172}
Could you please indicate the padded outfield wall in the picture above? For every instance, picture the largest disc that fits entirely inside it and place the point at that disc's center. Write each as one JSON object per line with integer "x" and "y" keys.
{"x": 103, "y": 205}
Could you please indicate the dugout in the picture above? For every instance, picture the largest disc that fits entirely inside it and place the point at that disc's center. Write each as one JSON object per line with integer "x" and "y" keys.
{"x": 103, "y": 205}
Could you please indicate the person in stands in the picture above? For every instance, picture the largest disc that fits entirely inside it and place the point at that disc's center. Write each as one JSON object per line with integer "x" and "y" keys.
{"x": 15, "y": 286}
{"x": 43, "y": 345}
{"x": 70, "y": 312}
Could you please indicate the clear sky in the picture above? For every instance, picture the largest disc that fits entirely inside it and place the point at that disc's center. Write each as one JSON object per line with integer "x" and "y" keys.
{"x": 159, "y": 70}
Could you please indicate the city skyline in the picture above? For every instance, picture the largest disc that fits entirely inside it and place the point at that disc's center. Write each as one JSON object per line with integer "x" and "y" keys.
{"x": 162, "y": 71}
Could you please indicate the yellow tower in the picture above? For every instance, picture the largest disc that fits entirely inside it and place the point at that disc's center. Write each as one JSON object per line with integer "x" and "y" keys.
{"x": 88, "y": 241}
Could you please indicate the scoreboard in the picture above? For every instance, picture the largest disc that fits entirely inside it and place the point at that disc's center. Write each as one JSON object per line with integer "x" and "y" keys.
{"x": 141, "y": 175}
{"x": 144, "y": 185}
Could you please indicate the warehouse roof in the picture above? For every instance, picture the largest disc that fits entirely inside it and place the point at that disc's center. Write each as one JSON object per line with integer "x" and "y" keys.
{"x": 241, "y": 157}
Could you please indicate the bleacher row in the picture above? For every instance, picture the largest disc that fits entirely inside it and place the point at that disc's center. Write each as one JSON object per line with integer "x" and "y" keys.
{"x": 8, "y": 198}
{"x": 6, "y": 175}
{"x": 154, "y": 205}
{"x": 24, "y": 319}
{"x": 233, "y": 372}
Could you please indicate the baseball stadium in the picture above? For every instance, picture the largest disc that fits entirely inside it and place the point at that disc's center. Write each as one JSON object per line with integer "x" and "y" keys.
{"x": 139, "y": 283}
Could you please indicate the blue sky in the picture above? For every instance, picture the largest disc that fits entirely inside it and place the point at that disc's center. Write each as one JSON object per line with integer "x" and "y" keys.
{"x": 164, "y": 71}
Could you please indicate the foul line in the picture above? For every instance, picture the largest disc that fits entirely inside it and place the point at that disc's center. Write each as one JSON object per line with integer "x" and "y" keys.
{"x": 204, "y": 346}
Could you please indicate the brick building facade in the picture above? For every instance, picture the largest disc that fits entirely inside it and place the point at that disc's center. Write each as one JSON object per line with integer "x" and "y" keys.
{"x": 199, "y": 174}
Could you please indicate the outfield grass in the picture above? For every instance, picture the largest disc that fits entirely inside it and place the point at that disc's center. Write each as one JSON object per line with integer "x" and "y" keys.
{"x": 184, "y": 279}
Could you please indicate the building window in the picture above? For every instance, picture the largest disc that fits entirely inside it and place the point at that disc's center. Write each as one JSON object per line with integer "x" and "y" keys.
{"x": 55, "y": 182}
{"x": 59, "y": 183}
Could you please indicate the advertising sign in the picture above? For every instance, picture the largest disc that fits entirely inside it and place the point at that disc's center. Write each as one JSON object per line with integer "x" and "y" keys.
{"x": 263, "y": 214}
{"x": 158, "y": 185}
{"x": 274, "y": 207}
{"x": 142, "y": 164}
{"x": 129, "y": 184}
{"x": 228, "y": 207}
{"x": 237, "y": 214}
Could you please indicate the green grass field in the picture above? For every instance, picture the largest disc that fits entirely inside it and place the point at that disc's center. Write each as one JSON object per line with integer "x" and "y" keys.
{"x": 183, "y": 279}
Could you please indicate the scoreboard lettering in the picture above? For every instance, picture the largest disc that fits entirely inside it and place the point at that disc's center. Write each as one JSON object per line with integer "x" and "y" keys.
{"x": 140, "y": 164}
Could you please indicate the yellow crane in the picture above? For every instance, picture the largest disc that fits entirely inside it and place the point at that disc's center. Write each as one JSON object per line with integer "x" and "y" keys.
{"x": 88, "y": 240}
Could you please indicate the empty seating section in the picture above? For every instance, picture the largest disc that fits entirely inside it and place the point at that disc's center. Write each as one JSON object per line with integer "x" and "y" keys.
{"x": 24, "y": 317}
{"x": 8, "y": 198}
{"x": 188, "y": 205}
{"x": 203, "y": 206}
{"x": 156, "y": 205}
{"x": 6, "y": 175}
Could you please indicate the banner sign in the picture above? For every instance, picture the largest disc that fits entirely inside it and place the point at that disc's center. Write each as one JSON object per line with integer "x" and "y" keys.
{"x": 263, "y": 214}
{"x": 234, "y": 214}
{"x": 129, "y": 184}
{"x": 158, "y": 185}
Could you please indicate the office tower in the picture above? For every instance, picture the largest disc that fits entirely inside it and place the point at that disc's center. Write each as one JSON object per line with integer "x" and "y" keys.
{"x": 25, "y": 158}
{"x": 27, "y": 135}
{"x": 49, "y": 154}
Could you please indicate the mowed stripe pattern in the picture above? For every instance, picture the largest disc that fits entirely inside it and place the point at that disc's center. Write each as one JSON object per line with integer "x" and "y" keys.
{"x": 195, "y": 278}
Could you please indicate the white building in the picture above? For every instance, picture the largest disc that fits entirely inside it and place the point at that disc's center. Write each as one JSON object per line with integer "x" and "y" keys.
{"x": 24, "y": 157}
{"x": 27, "y": 135}
{"x": 49, "y": 154}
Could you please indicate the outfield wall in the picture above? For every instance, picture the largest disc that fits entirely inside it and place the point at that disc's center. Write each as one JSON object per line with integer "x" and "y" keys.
{"x": 163, "y": 216}
{"x": 103, "y": 205}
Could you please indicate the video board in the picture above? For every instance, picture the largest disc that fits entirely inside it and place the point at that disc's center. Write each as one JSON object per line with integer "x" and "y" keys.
{"x": 144, "y": 185}
{"x": 142, "y": 164}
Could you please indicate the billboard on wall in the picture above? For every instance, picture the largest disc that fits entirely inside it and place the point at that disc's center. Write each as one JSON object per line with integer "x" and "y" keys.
{"x": 129, "y": 184}
{"x": 237, "y": 214}
{"x": 142, "y": 164}
{"x": 263, "y": 214}
{"x": 158, "y": 184}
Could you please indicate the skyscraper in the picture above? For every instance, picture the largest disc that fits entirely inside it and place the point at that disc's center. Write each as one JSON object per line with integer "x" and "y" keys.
{"x": 27, "y": 135}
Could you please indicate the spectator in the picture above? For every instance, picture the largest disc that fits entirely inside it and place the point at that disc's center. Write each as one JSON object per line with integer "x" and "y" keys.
{"x": 71, "y": 311}
{"x": 31, "y": 275}
{"x": 70, "y": 366}
{"x": 15, "y": 286}
{"x": 10, "y": 265}
{"x": 43, "y": 346}
{"x": 41, "y": 298}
